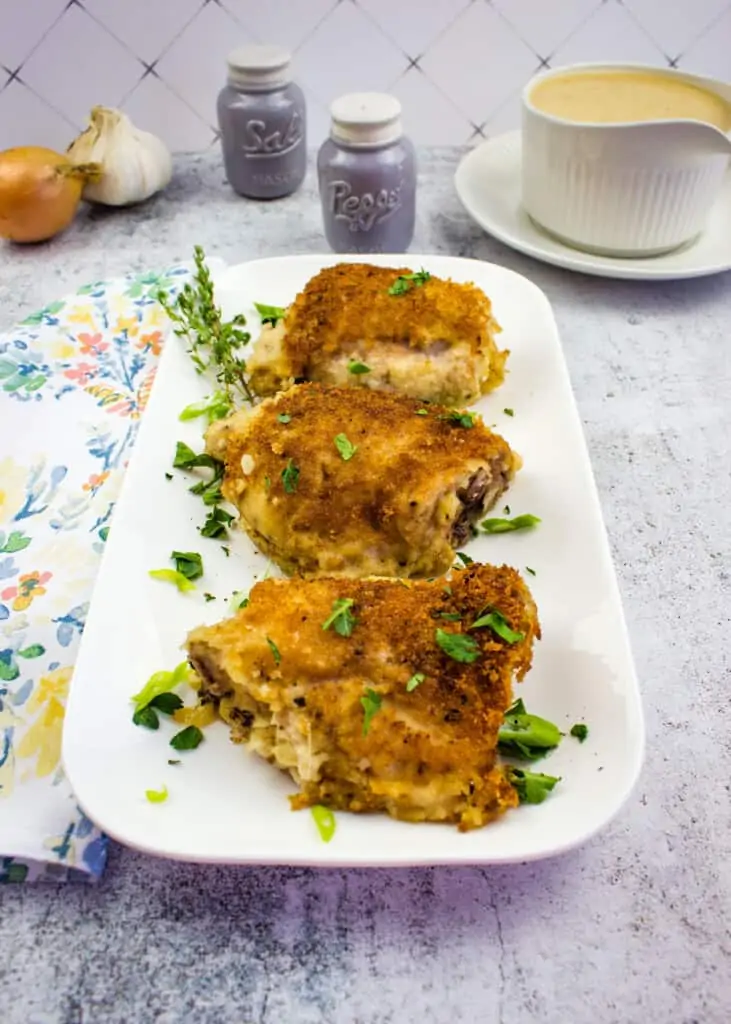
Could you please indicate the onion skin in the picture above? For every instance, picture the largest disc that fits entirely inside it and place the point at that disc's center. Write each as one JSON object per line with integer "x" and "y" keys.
{"x": 40, "y": 191}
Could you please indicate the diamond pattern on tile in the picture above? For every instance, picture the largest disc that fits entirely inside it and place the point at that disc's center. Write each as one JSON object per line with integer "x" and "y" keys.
{"x": 479, "y": 61}
{"x": 279, "y": 21}
{"x": 26, "y": 120}
{"x": 147, "y": 27}
{"x": 348, "y": 53}
{"x": 675, "y": 25}
{"x": 79, "y": 64}
{"x": 506, "y": 118}
{"x": 195, "y": 65}
{"x": 711, "y": 54}
{"x": 543, "y": 24}
{"x": 413, "y": 24}
{"x": 155, "y": 108}
{"x": 610, "y": 34}
{"x": 430, "y": 119}
{"x": 24, "y": 23}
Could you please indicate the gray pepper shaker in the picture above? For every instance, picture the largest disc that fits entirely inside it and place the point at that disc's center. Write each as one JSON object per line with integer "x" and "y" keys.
{"x": 262, "y": 117}
{"x": 367, "y": 176}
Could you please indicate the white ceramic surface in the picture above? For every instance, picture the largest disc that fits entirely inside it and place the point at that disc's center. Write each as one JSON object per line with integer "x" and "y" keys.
{"x": 228, "y": 806}
{"x": 488, "y": 183}
{"x": 626, "y": 189}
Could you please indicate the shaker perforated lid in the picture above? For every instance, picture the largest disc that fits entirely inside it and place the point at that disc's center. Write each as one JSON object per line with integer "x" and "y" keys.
{"x": 366, "y": 119}
{"x": 259, "y": 66}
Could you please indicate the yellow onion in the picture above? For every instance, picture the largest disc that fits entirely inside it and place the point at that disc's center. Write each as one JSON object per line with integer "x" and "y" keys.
{"x": 40, "y": 192}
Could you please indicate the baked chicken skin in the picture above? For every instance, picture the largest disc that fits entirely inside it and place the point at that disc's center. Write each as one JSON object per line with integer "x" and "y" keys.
{"x": 331, "y": 481}
{"x": 433, "y": 339}
{"x": 375, "y": 694}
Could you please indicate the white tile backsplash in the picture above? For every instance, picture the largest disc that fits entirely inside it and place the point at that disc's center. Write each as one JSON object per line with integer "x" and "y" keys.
{"x": 473, "y": 56}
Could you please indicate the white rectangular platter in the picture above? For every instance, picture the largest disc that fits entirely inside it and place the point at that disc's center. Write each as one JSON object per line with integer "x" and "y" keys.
{"x": 224, "y": 804}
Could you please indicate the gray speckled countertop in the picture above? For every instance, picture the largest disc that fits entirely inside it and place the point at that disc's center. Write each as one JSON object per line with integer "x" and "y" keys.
{"x": 630, "y": 928}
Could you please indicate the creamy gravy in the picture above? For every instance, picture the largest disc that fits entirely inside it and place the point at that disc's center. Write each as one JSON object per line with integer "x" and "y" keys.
{"x": 601, "y": 97}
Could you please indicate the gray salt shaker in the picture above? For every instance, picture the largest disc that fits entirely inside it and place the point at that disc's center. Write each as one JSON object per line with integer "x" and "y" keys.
{"x": 367, "y": 176}
{"x": 261, "y": 114}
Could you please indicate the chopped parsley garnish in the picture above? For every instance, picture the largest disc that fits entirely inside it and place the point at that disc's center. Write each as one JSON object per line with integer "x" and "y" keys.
{"x": 357, "y": 368}
{"x": 187, "y": 739}
{"x": 531, "y": 571}
{"x": 188, "y": 563}
{"x": 524, "y": 522}
{"x": 284, "y": 417}
{"x": 344, "y": 446}
{"x": 167, "y": 702}
{"x": 216, "y": 523}
{"x": 460, "y": 419}
{"x": 275, "y": 651}
{"x": 371, "y": 703}
{"x": 168, "y": 476}
{"x": 147, "y": 718}
{"x": 458, "y": 646}
{"x": 161, "y": 682}
{"x": 324, "y": 820}
{"x": 506, "y": 510}
{"x": 532, "y": 787}
{"x": 405, "y": 282}
{"x": 416, "y": 680}
{"x": 213, "y": 343}
{"x": 209, "y": 597}
{"x": 498, "y": 624}
{"x": 464, "y": 559}
{"x": 290, "y": 477}
{"x": 580, "y": 731}
{"x": 449, "y": 616}
{"x": 270, "y": 314}
{"x": 172, "y": 576}
{"x": 216, "y": 407}
{"x": 238, "y": 600}
{"x": 509, "y": 412}
{"x": 341, "y": 618}
{"x": 209, "y": 490}
{"x": 526, "y": 736}
{"x": 422, "y": 412}
{"x": 157, "y": 796}
{"x": 174, "y": 762}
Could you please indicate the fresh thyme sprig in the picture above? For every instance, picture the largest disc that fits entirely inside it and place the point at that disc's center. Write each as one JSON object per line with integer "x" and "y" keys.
{"x": 213, "y": 342}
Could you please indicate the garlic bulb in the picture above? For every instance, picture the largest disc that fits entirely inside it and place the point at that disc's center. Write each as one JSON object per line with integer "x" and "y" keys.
{"x": 135, "y": 164}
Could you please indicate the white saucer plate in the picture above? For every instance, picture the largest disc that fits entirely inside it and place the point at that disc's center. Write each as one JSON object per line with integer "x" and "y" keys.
{"x": 488, "y": 185}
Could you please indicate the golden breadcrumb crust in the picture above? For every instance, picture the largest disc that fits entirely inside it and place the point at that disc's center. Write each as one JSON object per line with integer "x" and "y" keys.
{"x": 429, "y": 754}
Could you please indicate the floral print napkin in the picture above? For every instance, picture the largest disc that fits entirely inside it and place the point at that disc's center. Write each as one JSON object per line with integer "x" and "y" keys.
{"x": 74, "y": 381}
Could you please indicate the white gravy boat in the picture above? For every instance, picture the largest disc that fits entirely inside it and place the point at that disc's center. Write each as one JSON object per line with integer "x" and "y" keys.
{"x": 622, "y": 189}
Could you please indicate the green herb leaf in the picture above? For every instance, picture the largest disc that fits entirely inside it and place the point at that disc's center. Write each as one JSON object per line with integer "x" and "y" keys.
{"x": 460, "y": 419}
{"x": 165, "y": 702}
{"x": 324, "y": 820}
{"x": 172, "y": 576}
{"x": 422, "y": 412}
{"x": 371, "y": 703}
{"x": 531, "y": 571}
{"x": 284, "y": 417}
{"x": 209, "y": 597}
{"x": 458, "y": 646}
{"x": 157, "y": 796}
{"x": 527, "y": 736}
{"x": 147, "y": 718}
{"x": 464, "y": 559}
{"x": 405, "y": 282}
{"x": 346, "y": 449}
{"x": 186, "y": 458}
{"x": 270, "y": 314}
{"x": 341, "y": 618}
{"x": 580, "y": 731}
{"x": 509, "y": 412}
{"x": 217, "y": 407}
{"x": 506, "y": 510}
{"x": 525, "y": 522}
{"x": 168, "y": 476}
{"x": 213, "y": 343}
{"x": 216, "y": 523}
{"x": 290, "y": 477}
{"x": 187, "y": 739}
{"x": 449, "y": 616}
{"x": 188, "y": 563}
{"x": 161, "y": 682}
{"x": 238, "y": 600}
{"x": 416, "y": 680}
{"x": 174, "y": 762}
{"x": 357, "y": 368}
{"x": 532, "y": 787}
{"x": 275, "y": 651}
{"x": 498, "y": 624}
